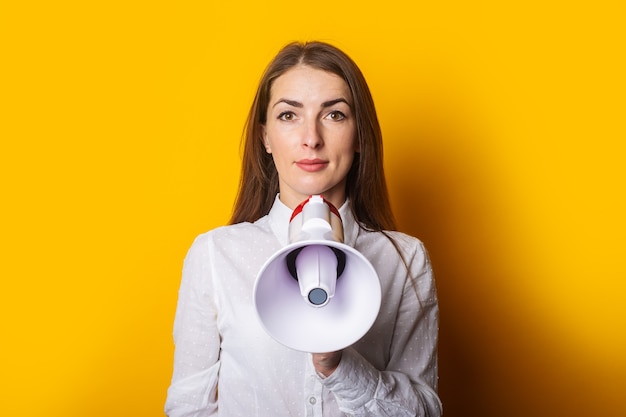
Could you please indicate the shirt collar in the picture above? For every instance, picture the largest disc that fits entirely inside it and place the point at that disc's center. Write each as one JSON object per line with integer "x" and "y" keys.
{"x": 280, "y": 214}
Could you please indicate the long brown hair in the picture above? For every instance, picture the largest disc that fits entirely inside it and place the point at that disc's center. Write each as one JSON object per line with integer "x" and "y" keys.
{"x": 365, "y": 186}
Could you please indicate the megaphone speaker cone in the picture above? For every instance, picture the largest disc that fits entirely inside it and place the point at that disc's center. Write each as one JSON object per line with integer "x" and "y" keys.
{"x": 338, "y": 321}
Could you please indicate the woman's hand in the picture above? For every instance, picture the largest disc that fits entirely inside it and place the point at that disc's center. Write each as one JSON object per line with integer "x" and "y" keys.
{"x": 326, "y": 363}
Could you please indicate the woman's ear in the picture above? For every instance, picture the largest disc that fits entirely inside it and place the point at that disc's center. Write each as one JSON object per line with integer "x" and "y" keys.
{"x": 266, "y": 142}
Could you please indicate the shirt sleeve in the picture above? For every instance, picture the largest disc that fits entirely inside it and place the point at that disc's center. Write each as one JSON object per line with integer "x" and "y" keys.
{"x": 408, "y": 384}
{"x": 193, "y": 389}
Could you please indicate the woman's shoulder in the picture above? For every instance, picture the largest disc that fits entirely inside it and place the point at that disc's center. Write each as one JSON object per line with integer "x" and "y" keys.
{"x": 404, "y": 238}
{"x": 232, "y": 232}
{"x": 403, "y": 241}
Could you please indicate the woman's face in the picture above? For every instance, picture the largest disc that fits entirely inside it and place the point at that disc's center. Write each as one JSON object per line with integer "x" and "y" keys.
{"x": 310, "y": 132}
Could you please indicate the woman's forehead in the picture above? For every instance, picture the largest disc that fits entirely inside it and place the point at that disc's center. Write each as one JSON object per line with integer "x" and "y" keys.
{"x": 304, "y": 82}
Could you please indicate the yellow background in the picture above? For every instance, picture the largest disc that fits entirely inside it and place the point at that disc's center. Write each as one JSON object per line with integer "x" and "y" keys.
{"x": 504, "y": 129}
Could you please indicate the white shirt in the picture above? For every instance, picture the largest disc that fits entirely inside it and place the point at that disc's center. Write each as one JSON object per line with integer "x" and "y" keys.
{"x": 221, "y": 346}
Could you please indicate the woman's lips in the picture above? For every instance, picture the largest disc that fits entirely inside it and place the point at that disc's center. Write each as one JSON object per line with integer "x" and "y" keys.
{"x": 312, "y": 165}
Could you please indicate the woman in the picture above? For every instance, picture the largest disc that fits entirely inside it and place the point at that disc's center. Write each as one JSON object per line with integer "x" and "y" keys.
{"x": 312, "y": 129}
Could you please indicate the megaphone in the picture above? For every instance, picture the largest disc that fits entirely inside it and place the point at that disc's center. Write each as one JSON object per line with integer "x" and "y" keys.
{"x": 317, "y": 294}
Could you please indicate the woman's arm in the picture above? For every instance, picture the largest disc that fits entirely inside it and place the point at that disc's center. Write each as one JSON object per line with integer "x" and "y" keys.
{"x": 408, "y": 384}
{"x": 193, "y": 390}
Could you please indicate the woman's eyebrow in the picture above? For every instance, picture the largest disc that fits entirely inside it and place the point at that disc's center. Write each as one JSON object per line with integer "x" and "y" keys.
{"x": 292, "y": 103}
{"x": 324, "y": 105}
{"x": 331, "y": 103}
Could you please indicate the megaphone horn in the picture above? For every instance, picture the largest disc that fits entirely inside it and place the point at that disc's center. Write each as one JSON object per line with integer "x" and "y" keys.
{"x": 317, "y": 294}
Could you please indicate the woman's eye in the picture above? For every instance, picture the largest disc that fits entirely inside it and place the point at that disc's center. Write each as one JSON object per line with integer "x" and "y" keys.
{"x": 286, "y": 116}
{"x": 336, "y": 115}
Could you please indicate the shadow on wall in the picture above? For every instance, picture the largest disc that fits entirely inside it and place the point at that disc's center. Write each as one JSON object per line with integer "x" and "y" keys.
{"x": 436, "y": 197}
{"x": 494, "y": 360}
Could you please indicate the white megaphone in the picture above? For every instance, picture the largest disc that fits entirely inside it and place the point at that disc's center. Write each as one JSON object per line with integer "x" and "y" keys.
{"x": 317, "y": 294}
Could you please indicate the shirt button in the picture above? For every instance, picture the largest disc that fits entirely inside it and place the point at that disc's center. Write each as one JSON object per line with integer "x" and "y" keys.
{"x": 312, "y": 400}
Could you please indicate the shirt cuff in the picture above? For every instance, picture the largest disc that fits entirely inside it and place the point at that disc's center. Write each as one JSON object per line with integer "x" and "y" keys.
{"x": 354, "y": 382}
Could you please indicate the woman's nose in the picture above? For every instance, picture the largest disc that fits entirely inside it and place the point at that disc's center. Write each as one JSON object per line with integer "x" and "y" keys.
{"x": 312, "y": 136}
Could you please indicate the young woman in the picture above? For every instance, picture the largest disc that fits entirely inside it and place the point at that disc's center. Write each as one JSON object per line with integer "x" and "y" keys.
{"x": 312, "y": 129}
